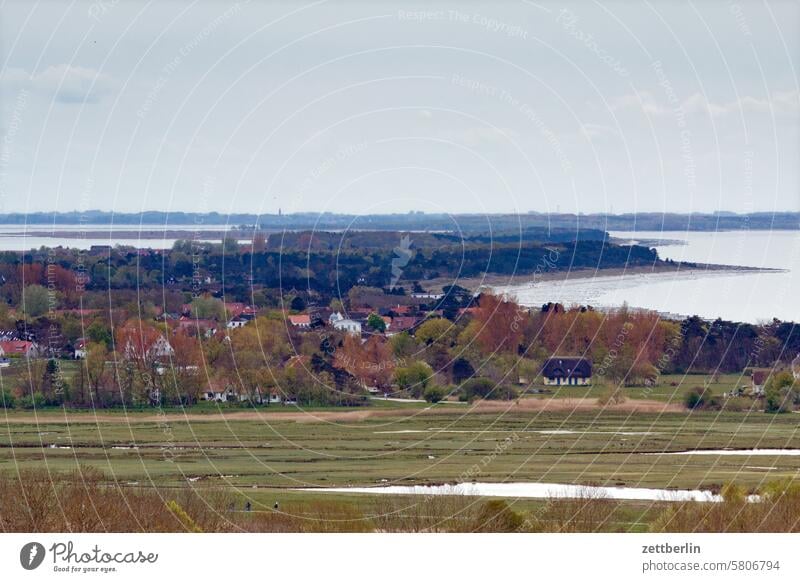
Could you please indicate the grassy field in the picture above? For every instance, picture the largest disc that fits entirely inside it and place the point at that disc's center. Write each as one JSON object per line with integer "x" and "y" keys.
{"x": 408, "y": 445}
{"x": 263, "y": 456}
{"x": 670, "y": 388}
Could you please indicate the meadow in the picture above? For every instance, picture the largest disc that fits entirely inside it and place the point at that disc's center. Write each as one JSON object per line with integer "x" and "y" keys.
{"x": 263, "y": 456}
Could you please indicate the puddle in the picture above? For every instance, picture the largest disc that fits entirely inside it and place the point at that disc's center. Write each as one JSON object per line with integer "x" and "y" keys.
{"x": 739, "y": 452}
{"x": 532, "y": 491}
{"x": 550, "y": 432}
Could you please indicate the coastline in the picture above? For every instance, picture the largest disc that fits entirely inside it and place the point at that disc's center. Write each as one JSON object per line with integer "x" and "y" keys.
{"x": 528, "y": 279}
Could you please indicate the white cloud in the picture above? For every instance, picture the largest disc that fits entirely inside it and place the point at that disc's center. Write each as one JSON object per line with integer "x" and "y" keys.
{"x": 65, "y": 83}
{"x": 779, "y": 103}
{"x": 595, "y": 130}
{"x": 476, "y": 136}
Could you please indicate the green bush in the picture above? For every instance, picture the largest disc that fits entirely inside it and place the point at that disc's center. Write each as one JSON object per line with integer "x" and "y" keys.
{"x": 696, "y": 398}
{"x": 486, "y": 389}
{"x": 7, "y": 399}
{"x": 434, "y": 394}
{"x": 497, "y": 516}
{"x": 477, "y": 388}
{"x": 780, "y": 393}
{"x": 37, "y": 400}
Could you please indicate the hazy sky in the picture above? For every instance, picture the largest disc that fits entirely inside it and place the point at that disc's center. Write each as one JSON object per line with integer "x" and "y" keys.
{"x": 372, "y": 107}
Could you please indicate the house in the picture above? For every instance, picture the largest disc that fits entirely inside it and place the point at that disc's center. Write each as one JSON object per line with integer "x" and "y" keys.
{"x": 160, "y": 348}
{"x": 796, "y": 367}
{"x": 302, "y": 321}
{"x": 161, "y": 369}
{"x": 567, "y": 371}
{"x": 204, "y": 327}
{"x": 79, "y": 349}
{"x": 238, "y": 321}
{"x": 348, "y": 325}
{"x": 235, "y": 308}
{"x": 401, "y": 323}
{"x": 217, "y": 394}
{"x": 468, "y": 311}
{"x": 401, "y": 309}
{"x": 427, "y": 295}
{"x": 334, "y": 317}
{"x": 17, "y": 347}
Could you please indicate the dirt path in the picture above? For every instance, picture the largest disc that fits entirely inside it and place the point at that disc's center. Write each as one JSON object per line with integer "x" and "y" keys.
{"x": 485, "y": 407}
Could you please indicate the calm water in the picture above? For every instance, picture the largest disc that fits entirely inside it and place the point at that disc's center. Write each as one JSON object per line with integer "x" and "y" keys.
{"x": 750, "y": 297}
{"x": 533, "y": 491}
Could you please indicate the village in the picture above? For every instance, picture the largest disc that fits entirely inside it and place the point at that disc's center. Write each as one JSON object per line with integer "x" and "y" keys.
{"x": 370, "y": 344}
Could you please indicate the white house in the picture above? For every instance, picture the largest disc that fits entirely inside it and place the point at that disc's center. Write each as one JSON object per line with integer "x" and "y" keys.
{"x": 237, "y": 322}
{"x": 427, "y": 295}
{"x": 567, "y": 371}
{"x": 349, "y": 325}
{"x": 159, "y": 349}
{"x": 80, "y": 349}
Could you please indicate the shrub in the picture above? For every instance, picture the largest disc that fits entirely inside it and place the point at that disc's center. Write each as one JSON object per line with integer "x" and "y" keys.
{"x": 414, "y": 377}
{"x": 477, "y": 388}
{"x": 612, "y": 395}
{"x": 780, "y": 395}
{"x": 434, "y": 394}
{"x": 7, "y": 399}
{"x": 497, "y": 516}
{"x": 697, "y": 398}
{"x": 36, "y": 400}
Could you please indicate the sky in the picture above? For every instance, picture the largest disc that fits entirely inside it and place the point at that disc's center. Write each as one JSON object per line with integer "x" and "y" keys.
{"x": 378, "y": 107}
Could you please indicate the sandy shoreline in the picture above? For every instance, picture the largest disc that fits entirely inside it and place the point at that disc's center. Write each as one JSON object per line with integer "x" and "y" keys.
{"x": 527, "y": 279}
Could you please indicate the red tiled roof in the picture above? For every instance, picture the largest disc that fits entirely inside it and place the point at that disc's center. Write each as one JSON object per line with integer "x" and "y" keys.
{"x": 303, "y": 319}
{"x": 15, "y": 346}
{"x": 403, "y": 322}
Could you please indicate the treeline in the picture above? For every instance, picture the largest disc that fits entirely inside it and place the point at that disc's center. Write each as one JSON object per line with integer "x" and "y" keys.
{"x": 653, "y": 221}
{"x": 240, "y": 271}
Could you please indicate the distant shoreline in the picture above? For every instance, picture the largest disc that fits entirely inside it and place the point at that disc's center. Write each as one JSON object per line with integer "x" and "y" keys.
{"x": 523, "y": 279}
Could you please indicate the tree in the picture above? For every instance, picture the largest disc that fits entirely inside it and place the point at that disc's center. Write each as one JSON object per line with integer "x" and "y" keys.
{"x": 376, "y": 322}
{"x": 477, "y": 388}
{"x": 259, "y": 242}
{"x": 501, "y": 324}
{"x": 434, "y": 394}
{"x": 96, "y": 356}
{"x": 298, "y": 304}
{"x": 697, "y": 398}
{"x": 206, "y": 307}
{"x": 414, "y": 378}
{"x": 435, "y": 330}
{"x": 371, "y": 362}
{"x": 403, "y": 345}
{"x": 183, "y": 374}
{"x": 780, "y": 394}
{"x": 35, "y": 300}
{"x": 99, "y": 333}
{"x": 141, "y": 346}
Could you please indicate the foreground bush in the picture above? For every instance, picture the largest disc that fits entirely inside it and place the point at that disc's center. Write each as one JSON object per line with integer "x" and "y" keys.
{"x": 776, "y": 511}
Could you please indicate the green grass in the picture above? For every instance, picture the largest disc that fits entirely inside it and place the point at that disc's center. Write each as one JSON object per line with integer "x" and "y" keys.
{"x": 284, "y": 454}
{"x": 264, "y": 460}
{"x": 670, "y": 388}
